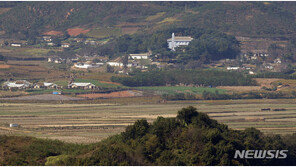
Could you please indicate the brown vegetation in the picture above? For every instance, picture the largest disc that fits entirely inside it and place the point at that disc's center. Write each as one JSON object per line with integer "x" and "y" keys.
{"x": 4, "y": 66}
{"x": 129, "y": 30}
{"x": 53, "y": 33}
{"x": 77, "y": 31}
{"x": 240, "y": 88}
{"x": 267, "y": 82}
{"x": 110, "y": 95}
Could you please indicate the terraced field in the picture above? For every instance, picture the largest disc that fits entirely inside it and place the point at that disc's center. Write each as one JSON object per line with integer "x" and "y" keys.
{"x": 87, "y": 123}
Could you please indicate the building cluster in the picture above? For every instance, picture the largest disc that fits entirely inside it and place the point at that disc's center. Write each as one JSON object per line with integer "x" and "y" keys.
{"x": 136, "y": 60}
{"x": 143, "y": 60}
{"x": 23, "y": 84}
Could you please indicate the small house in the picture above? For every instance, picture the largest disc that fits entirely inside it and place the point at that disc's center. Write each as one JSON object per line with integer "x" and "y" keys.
{"x": 65, "y": 45}
{"x": 115, "y": 64}
{"x": 16, "y": 44}
{"x": 20, "y": 84}
{"x": 139, "y": 56}
{"x": 13, "y": 125}
{"x": 83, "y": 65}
{"x": 277, "y": 61}
{"x": 50, "y": 44}
{"x": 79, "y": 85}
{"x": 49, "y": 85}
{"x": 47, "y": 38}
{"x": 232, "y": 68}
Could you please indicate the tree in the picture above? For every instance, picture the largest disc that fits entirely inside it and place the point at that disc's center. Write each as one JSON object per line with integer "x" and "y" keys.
{"x": 125, "y": 60}
{"x": 186, "y": 114}
{"x": 139, "y": 129}
{"x": 2, "y": 58}
{"x": 109, "y": 69}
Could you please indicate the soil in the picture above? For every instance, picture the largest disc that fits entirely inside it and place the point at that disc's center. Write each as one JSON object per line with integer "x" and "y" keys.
{"x": 77, "y": 31}
{"x": 53, "y": 33}
{"x": 111, "y": 95}
{"x": 43, "y": 97}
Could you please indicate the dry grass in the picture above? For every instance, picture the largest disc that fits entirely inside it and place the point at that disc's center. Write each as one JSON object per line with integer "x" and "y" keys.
{"x": 77, "y": 31}
{"x": 129, "y": 30}
{"x": 87, "y": 123}
{"x": 4, "y": 66}
{"x": 11, "y": 93}
{"x": 109, "y": 95}
{"x": 154, "y": 17}
{"x": 169, "y": 20}
{"x": 30, "y": 70}
{"x": 3, "y": 10}
{"x": 240, "y": 88}
{"x": 267, "y": 82}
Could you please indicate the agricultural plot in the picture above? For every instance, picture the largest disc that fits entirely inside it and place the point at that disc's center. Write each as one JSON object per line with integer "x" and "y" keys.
{"x": 30, "y": 70}
{"x": 180, "y": 89}
{"x": 87, "y": 123}
{"x": 119, "y": 94}
{"x": 103, "y": 32}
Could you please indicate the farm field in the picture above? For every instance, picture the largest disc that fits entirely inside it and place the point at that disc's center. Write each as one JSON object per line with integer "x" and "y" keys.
{"x": 118, "y": 94}
{"x": 87, "y": 123}
{"x": 180, "y": 89}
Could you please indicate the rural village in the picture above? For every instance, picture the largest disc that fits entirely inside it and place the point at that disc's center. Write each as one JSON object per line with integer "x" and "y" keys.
{"x": 146, "y": 83}
{"x": 247, "y": 62}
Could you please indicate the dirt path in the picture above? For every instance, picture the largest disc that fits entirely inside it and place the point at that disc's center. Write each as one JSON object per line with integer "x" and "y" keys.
{"x": 43, "y": 97}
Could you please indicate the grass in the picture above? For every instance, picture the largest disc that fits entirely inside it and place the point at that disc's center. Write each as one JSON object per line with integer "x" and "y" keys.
{"x": 36, "y": 51}
{"x": 104, "y": 32}
{"x": 61, "y": 83}
{"x": 168, "y": 20}
{"x": 181, "y": 89}
{"x": 39, "y": 91}
{"x": 154, "y": 17}
{"x": 11, "y": 93}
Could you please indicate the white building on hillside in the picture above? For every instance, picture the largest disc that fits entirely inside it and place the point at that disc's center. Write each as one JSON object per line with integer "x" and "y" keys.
{"x": 115, "y": 64}
{"x": 83, "y": 66}
{"x": 16, "y": 44}
{"x": 20, "y": 84}
{"x": 81, "y": 85}
{"x": 178, "y": 41}
{"x": 139, "y": 56}
{"x": 232, "y": 68}
{"x": 87, "y": 66}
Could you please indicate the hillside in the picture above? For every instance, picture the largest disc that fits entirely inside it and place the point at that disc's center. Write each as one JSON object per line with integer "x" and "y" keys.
{"x": 192, "y": 138}
{"x": 264, "y": 19}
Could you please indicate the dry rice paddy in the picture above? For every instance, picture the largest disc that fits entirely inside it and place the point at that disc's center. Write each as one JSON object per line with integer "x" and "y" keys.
{"x": 87, "y": 123}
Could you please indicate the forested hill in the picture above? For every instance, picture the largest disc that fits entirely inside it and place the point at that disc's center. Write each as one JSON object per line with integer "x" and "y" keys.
{"x": 192, "y": 138}
{"x": 267, "y": 19}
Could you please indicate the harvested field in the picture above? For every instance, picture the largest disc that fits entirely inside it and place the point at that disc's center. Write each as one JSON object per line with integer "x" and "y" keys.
{"x": 76, "y": 31}
{"x": 3, "y": 10}
{"x": 11, "y": 93}
{"x": 30, "y": 70}
{"x": 4, "y": 66}
{"x": 129, "y": 30}
{"x": 88, "y": 123}
{"x": 240, "y": 88}
{"x": 266, "y": 81}
{"x": 111, "y": 83}
{"x": 53, "y": 33}
{"x": 127, "y": 93}
{"x": 43, "y": 97}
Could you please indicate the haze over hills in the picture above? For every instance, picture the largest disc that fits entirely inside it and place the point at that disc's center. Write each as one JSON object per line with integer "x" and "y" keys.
{"x": 265, "y": 19}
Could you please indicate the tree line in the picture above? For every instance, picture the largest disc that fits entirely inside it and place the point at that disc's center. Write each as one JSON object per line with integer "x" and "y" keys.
{"x": 195, "y": 77}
